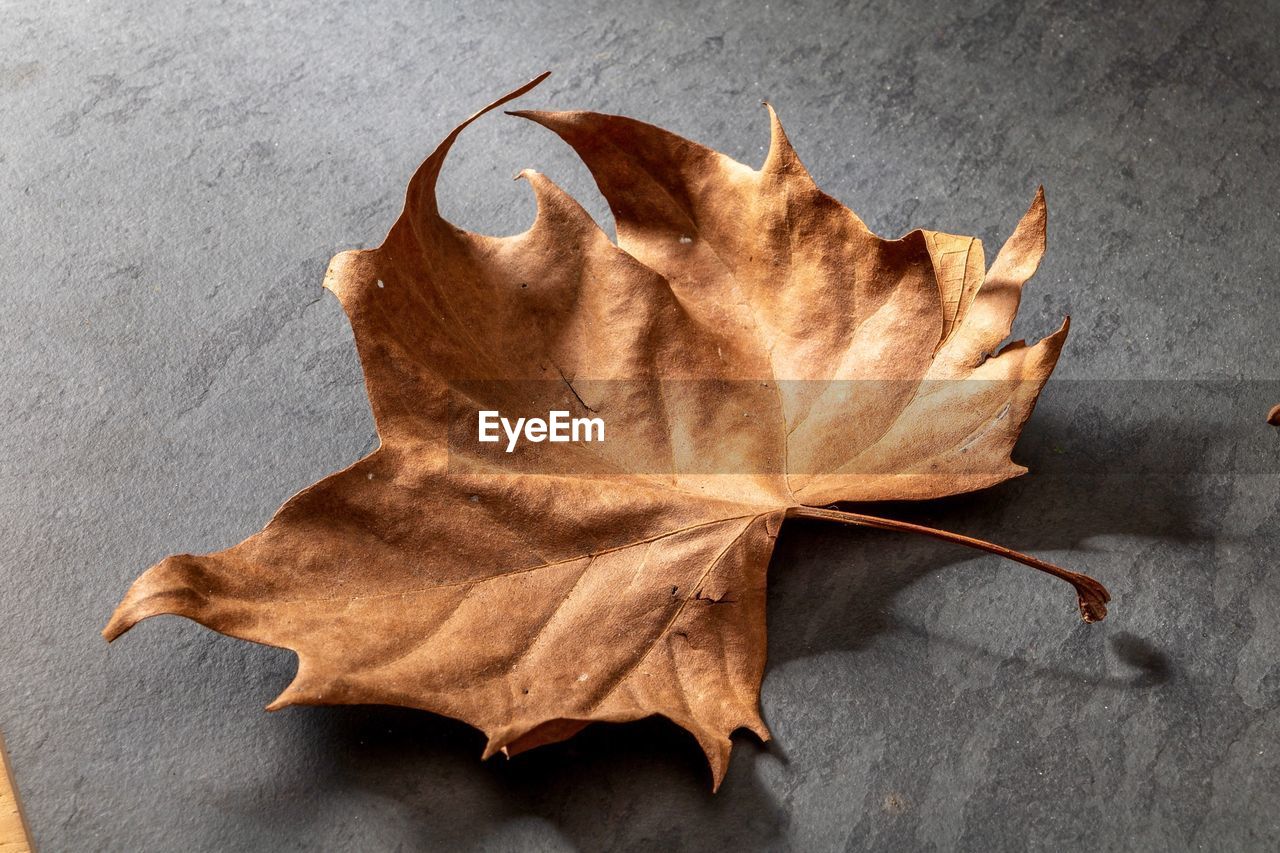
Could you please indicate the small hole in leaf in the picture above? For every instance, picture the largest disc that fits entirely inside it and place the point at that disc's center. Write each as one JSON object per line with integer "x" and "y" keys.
{"x": 686, "y": 239}
{"x": 380, "y": 284}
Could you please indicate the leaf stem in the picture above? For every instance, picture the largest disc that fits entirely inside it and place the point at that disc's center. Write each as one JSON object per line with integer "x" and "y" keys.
{"x": 1093, "y": 596}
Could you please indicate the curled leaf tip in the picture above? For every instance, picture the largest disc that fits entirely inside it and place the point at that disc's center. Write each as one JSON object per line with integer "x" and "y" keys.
{"x": 117, "y": 626}
{"x": 1273, "y": 417}
{"x": 1093, "y": 606}
{"x": 1093, "y": 597}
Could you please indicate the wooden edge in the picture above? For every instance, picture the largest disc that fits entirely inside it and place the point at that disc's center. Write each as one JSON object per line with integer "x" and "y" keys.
{"x": 15, "y": 835}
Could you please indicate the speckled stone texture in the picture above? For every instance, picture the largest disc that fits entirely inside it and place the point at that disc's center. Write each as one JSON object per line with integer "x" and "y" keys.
{"x": 173, "y": 180}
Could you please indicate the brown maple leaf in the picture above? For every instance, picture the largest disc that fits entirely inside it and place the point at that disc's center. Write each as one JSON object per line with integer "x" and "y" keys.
{"x": 757, "y": 354}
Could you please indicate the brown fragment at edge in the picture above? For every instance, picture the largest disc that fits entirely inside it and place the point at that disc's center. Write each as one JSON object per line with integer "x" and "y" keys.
{"x": 1273, "y": 417}
{"x": 15, "y": 834}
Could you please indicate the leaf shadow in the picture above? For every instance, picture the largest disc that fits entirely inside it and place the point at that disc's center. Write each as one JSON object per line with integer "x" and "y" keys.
{"x": 855, "y": 575}
{"x": 606, "y": 788}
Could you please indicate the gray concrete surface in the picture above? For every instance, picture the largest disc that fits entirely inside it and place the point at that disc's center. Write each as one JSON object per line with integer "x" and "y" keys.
{"x": 174, "y": 178}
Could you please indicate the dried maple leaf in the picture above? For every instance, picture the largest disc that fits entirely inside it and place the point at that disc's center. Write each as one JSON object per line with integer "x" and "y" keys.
{"x": 530, "y": 604}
